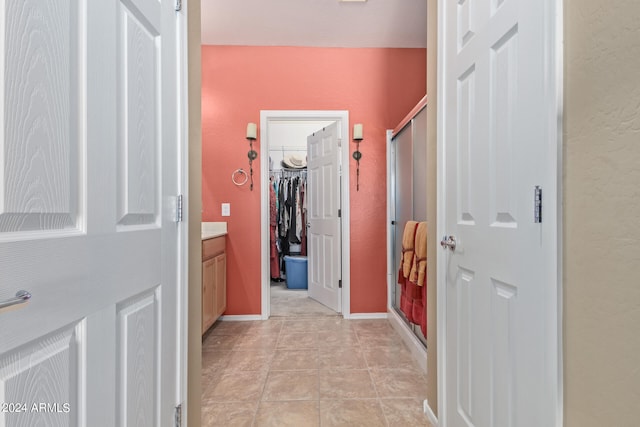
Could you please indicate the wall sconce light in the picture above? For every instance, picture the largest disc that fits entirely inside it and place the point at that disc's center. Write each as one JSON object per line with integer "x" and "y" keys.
{"x": 357, "y": 155}
{"x": 252, "y": 132}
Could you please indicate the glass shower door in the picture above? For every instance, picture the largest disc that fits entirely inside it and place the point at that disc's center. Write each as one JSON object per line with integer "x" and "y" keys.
{"x": 408, "y": 192}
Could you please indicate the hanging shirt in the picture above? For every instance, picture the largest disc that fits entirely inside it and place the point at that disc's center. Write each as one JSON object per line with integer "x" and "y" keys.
{"x": 298, "y": 205}
{"x": 291, "y": 205}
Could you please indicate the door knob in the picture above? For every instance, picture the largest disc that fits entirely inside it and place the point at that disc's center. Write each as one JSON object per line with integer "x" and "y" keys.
{"x": 21, "y": 297}
{"x": 308, "y": 225}
{"x": 448, "y": 242}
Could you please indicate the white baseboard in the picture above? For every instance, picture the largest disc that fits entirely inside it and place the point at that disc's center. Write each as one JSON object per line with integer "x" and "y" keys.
{"x": 360, "y": 316}
{"x": 240, "y": 317}
{"x": 416, "y": 347}
{"x": 429, "y": 413}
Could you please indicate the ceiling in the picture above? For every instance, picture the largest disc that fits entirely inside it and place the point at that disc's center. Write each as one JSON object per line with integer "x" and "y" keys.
{"x": 322, "y": 23}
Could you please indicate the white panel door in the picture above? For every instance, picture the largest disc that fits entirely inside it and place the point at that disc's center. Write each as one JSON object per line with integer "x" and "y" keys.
{"x": 88, "y": 178}
{"x": 498, "y": 139}
{"x": 323, "y": 203}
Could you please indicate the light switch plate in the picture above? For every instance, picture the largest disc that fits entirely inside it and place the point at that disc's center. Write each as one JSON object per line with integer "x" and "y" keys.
{"x": 226, "y": 209}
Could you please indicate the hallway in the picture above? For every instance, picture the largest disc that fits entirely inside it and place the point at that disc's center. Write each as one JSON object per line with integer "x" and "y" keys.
{"x": 305, "y": 372}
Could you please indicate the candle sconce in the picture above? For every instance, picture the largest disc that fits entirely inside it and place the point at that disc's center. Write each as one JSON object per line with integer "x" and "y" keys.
{"x": 357, "y": 155}
{"x": 252, "y": 132}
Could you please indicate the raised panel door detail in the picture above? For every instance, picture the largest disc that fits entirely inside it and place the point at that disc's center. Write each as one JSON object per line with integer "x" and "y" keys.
{"x": 314, "y": 176}
{"x": 137, "y": 364}
{"x": 327, "y": 147}
{"x": 503, "y": 109}
{"x": 495, "y": 5}
{"x": 46, "y": 376}
{"x": 503, "y": 363}
{"x": 208, "y": 291}
{"x": 467, "y": 133}
{"x": 220, "y": 298}
{"x": 314, "y": 151}
{"x": 41, "y": 115}
{"x": 465, "y": 14}
{"x": 328, "y": 245}
{"x": 464, "y": 344}
{"x": 138, "y": 99}
{"x": 316, "y": 273}
{"x": 328, "y": 195}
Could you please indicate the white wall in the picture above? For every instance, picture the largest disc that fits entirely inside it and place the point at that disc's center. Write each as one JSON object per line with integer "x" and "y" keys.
{"x": 290, "y": 137}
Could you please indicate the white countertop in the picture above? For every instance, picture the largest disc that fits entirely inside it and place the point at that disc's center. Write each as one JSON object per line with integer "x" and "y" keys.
{"x": 213, "y": 229}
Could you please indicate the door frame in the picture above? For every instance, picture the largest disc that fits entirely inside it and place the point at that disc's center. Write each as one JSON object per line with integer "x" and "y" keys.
{"x": 341, "y": 116}
{"x": 186, "y": 175}
{"x": 554, "y": 68}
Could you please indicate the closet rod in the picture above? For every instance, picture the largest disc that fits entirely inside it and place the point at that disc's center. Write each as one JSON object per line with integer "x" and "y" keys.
{"x": 288, "y": 149}
{"x": 288, "y": 171}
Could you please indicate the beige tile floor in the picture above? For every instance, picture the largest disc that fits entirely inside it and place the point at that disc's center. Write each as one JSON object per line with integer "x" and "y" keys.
{"x": 300, "y": 372}
{"x": 295, "y": 302}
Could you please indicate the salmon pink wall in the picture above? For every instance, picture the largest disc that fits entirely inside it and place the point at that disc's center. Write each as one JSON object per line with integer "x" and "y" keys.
{"x": 377, "y": 86}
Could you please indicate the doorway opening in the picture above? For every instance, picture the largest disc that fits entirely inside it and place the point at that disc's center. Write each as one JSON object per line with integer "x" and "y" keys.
{"x": 284, "y": 134}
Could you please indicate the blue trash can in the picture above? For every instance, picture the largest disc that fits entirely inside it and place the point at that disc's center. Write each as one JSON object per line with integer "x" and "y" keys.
{"x": 296, "y": 272}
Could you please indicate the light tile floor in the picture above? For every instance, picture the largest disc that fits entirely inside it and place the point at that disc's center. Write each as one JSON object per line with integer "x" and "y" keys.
{"x": 295, "y": 302}
{"x": 300, "y": 372}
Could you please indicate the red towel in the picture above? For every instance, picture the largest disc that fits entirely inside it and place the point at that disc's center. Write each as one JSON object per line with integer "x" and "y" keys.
{"x": 413, "y": 295}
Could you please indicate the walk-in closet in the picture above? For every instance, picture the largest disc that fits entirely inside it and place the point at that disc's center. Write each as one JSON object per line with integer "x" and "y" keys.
{"x": 288, "y": 219}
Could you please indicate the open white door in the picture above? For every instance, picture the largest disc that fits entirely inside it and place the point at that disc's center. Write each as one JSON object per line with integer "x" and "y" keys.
{"x": 499, "y": 140}
{"x": 323, "y": 223}
{"x": 88, "y": 181}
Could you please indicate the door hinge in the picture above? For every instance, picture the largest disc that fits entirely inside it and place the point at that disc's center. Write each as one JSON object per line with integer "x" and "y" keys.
{"x": 537, "y": 205}
{"x": 339, "y": 142}
{"x": 340, "y": 283}
{"x": 178, "y": 418}
{"x": 339, "y": 213}
{"x": 179, "y": 208}
{"x": 178, "y": 5}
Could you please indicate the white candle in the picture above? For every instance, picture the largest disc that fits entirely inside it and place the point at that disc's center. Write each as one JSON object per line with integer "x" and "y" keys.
{"x": 252, "y": 131}
{"x": 357, "y": 131}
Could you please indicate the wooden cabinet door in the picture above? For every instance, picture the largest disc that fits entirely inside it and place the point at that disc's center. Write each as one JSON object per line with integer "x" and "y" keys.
{"x": 220, "y": 284}
{"x": 208, "y": 293}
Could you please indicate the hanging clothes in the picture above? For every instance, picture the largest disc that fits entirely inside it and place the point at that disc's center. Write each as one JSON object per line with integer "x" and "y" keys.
{"x": 287, "y": 217}
{"x": 303, "y": 202}
{"x": 273, "y": 221}
{"x": 412, "y": 274}
{"x": 298, "y": 206}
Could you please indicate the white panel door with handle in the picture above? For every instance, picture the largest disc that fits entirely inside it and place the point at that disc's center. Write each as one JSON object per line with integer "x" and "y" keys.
{"x": 498, "y": 135}
{"x": 89, "y": 174}
{"x": 323, "y": 204}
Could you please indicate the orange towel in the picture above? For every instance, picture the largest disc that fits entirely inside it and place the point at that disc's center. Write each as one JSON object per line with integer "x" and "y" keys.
{"x": 407, "y": 248}
{"x": 419, "y": 265}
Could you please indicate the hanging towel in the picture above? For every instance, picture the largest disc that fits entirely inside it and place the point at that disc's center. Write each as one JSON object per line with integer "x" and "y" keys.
{"x": 406, "y": 260}
{"x": 407, "y": 292}
{"x": 419, "y": 264}
{"x": 418, "y": 279}
{"x": 412, "y": 274}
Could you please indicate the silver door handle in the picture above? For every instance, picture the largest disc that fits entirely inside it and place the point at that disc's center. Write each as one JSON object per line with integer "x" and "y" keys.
{"x": 308, "y": 225}
{"x": 448, "y": 242}
{"x": 20, "y": 298}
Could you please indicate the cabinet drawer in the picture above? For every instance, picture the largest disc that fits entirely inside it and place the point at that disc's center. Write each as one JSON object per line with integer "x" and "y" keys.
{"x": 212, "y": 247}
